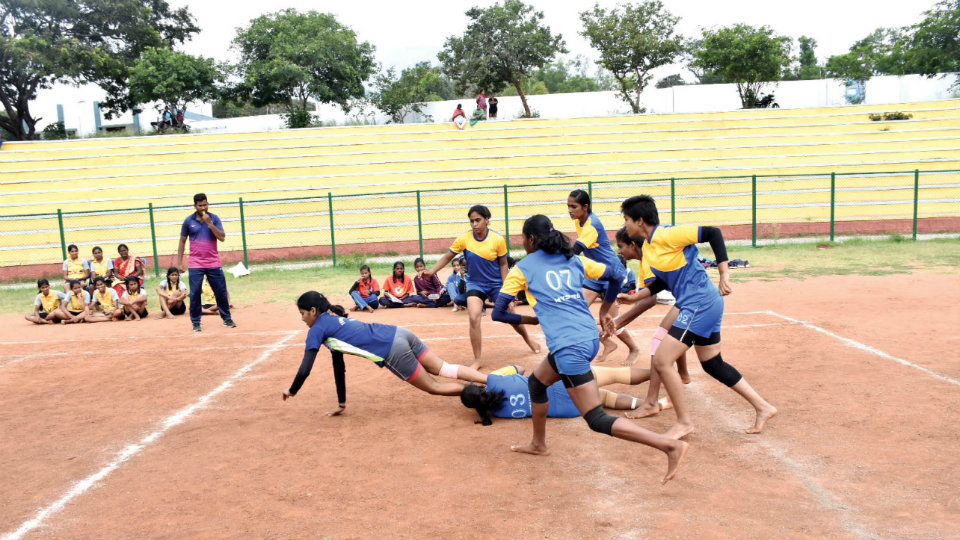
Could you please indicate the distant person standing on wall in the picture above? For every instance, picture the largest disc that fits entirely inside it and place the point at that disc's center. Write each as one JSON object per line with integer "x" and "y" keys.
{"x": 204, "y": 230}
{"x": 492, "y": 104}
{"x": 482, "y": 103}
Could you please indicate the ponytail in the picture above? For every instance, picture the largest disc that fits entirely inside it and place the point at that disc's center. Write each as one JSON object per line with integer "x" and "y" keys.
{"x": 549, "y": 240}
{"x": 315, "y": 300}
{"x": 477, "y": 397}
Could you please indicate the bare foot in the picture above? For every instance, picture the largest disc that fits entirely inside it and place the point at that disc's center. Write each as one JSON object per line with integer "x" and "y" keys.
{"x": 535, "y": 347}
{"x": 533, "y": 449}
{"x": 679, "y": 431}
{"x": 632, "y": 357}
{"x": 609, "y": 345}
{"x": 665, "y": 403}
{"x": 475, "y": 364}
{"x": 644, "y": 411}
{"x": 674, "y": 457}
{"x": 370, "y": 309}
{"x": 762, "y": 417}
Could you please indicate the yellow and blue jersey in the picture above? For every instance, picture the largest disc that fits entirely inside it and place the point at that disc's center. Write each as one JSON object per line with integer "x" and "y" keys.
{"x": 482, "y": 257}
{"x": 592, "y": 237}
{"x": 670, "y": 254}
{"x": 516, "y": 394}
{"x": 554, "y": 288}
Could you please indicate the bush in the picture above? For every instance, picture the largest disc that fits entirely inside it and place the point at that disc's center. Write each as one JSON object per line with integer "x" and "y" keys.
{"x": 55, "y": 131}
{"x": 876, "y": 117}
{"x": 298, "y": 118}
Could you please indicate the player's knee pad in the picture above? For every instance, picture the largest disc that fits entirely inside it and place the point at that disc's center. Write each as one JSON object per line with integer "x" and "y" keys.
{"x": 572, "y": 381}
{"x": 609, "y": 398}
{"x": 599, "y": 420}
{"x": 538, "y": 390}
{"x": 721, "y": 371}
{"x": 449, "y": 371}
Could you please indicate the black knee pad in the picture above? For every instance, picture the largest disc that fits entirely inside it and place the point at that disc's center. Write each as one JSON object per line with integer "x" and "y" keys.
{"x": 570, "y": 381}
{"x": 721, "y": 371}
{"x": 538, "y": 390}
{"x": 599, "y": 420}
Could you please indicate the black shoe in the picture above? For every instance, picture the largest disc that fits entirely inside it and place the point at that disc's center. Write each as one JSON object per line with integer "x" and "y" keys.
{"x": 229, "y": 323}
{"x": 196, "y": 327}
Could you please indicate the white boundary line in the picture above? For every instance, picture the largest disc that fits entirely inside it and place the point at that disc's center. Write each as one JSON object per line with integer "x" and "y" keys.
{"x": 867, "y": 348}
{"x": 133, "y": 449}
{"x": 89, "y": 340}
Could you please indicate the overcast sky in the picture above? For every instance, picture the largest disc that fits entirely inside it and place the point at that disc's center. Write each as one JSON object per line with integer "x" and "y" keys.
{"x": 407, "y": 32}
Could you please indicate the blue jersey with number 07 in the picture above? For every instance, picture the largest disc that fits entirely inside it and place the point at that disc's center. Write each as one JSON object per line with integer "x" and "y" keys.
{"x": 516, "y": 393}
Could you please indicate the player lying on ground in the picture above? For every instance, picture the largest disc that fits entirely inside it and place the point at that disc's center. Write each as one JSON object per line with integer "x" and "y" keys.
{"x": 507, "y": 393}
{"x": 552, "y": 278}
{"x": 670, "y": 256}
{"x": 392, "y": 347}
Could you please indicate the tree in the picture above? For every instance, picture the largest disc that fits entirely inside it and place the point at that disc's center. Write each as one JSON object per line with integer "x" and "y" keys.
{"x": 808, "y": 59}
{"x": 287, "y": 57}
{"x": 43, "y": 42}
{"x": 633, "y": 39}
{"x": 934, "y": 46}
{"x": 174, "y": 78}
{"x": 400, "y": 96}
{"x": 671, "y": 80}
{"x": 879, "y": 53}
{"x": 742, "y": 54}
{"x": 502, "y": 45}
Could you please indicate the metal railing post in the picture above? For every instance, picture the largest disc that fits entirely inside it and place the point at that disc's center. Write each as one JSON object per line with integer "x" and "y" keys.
{"x": 63, "y": 236}
{"x": 673, "y": 201}
{"x": 754, "y": 206}
{"x": 833, "y": 205}
{"x": 419, "y": 224}
{"x": 916, "y": 200}
{"x": 243, "y": 234}
{"x": 333, "y": 242}
{"x": 153, "y": 238}
{"x": 506, "y": 216}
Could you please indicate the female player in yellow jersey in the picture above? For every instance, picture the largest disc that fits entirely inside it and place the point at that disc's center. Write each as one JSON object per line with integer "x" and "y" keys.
{"x": 485, "y": 253}
{"x": 552, "y": 278}
{"x": 670, "y": 253}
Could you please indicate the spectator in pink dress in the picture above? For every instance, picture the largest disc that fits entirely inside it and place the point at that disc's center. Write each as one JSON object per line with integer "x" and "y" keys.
{"x": 482, "y": 104}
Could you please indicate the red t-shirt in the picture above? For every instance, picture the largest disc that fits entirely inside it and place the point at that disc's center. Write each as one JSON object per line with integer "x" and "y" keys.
{"x": 366, "y": 288}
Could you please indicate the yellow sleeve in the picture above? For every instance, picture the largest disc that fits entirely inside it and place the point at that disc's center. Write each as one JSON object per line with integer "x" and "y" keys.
{"x": 501, "y": 246}
{"x": 587, "y": 234}
{"x": 678, "y": 237}
{"x": 646, "y": 275}
{"x": 459, "y": 244}
{"x": 592, "y": 269}
{"x": 515, "y": 282}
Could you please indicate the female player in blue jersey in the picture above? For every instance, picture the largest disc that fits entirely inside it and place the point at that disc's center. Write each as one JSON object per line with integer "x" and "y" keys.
{"x": 485, "y": 254}
{"x": 552, "y": 278}
{"x": 670, "y": 253}
{"x": 392, "y": 347}
{"x": 593, "y": 243}
{"x": 507, "y": 393}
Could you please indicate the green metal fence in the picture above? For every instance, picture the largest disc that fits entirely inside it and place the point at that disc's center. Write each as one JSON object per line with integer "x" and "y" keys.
{"x": 751, "y": 207}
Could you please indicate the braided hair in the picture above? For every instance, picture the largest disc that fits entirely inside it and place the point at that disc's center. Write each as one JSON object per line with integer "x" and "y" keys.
{"x": 549, "y": 240}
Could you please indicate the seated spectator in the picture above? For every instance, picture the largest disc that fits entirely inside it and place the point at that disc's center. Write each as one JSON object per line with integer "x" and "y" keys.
{"x": 172, "y": 293}
{"x": 478, "y": 115}
{"x": 457, "y": 284}
{"x": 74, "y": 268}
{"x": 100, "y": 267}
{"x": 365, "y": 291}
{"x": 159, "y": 124}
{"x": 124, "y": 266}
{"x": 46, "y": 306}
{"x": 397, "y": 288}
{"x": 133, "y": 300}
{"x": 179, "y": 118}
{"x": 430, "y": 292}
{"x": 76, "y": 306}
{"x": 459, "y": 117}
{"x": 105, "y": 304}
{"x": 209, "y": 305}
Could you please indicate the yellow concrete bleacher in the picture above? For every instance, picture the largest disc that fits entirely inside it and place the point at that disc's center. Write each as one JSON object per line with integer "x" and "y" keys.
{"x": 793, "y": 152}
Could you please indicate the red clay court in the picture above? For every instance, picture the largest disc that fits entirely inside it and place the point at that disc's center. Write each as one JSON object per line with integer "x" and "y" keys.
{"x": 146, "y": 430}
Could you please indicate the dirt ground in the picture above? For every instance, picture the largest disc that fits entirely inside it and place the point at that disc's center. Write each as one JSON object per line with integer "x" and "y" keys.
{"x": 147, "y": 430}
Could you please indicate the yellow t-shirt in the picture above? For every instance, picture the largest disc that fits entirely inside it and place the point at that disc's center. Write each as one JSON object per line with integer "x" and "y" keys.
{"x": 101, "y": 268}
{"x": 76, "y": 268}
{"x": 50, "y": 302}
{"x": 208, "y": 296}
{"x": 105, "y": 300}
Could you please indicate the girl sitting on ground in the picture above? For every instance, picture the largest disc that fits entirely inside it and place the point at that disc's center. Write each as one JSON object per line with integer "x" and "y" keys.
{"x": 46, "y": 307}
{"x": 457, "y": 285}
{"x": 134, "y": 300}
{"x": 430, "y": 292}
{"x": 172, "y": 293}
{"x": 105, "y": 304}
{"x": 76, "y": 306}
{"x": 397, "y": 288}
{"x": 365, "y": 291}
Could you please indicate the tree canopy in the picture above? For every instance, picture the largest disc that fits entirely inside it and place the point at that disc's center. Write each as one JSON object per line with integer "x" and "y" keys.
{"x": 633, "y": 39}
{"x": 742, "y": 54}
{"x": 503, "y": 44}
{"x": 83, "y": 41}
{"x": 398, "y": 96}
{"x": 174, "y": 78}
{"x": 287, "y": 57}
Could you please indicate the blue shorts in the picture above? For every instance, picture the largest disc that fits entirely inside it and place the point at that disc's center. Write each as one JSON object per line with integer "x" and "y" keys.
{"x": 485, "y": 291}
{"x": 701, "y": 321}
{"x": 595, "y": 286}
{"x": 575, "y": 359}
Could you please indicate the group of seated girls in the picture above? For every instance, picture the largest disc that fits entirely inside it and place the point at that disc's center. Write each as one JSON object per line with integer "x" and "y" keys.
{"x": 114, "y": 271}
{"x": 102, "y": 303}
{"x": 399, "y": 290}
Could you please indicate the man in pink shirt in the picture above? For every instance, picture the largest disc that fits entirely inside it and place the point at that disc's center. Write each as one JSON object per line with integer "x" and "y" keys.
{"x": 204, "y": 231}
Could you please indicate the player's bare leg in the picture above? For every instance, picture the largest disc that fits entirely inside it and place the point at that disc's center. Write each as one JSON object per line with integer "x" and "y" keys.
{"x": 765, "y": 411}
{"x": 430, "y": 385}
{"x": 669, "y": 351}
{"x": 538, "y": 443}
{"x": 475, "y": 310}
